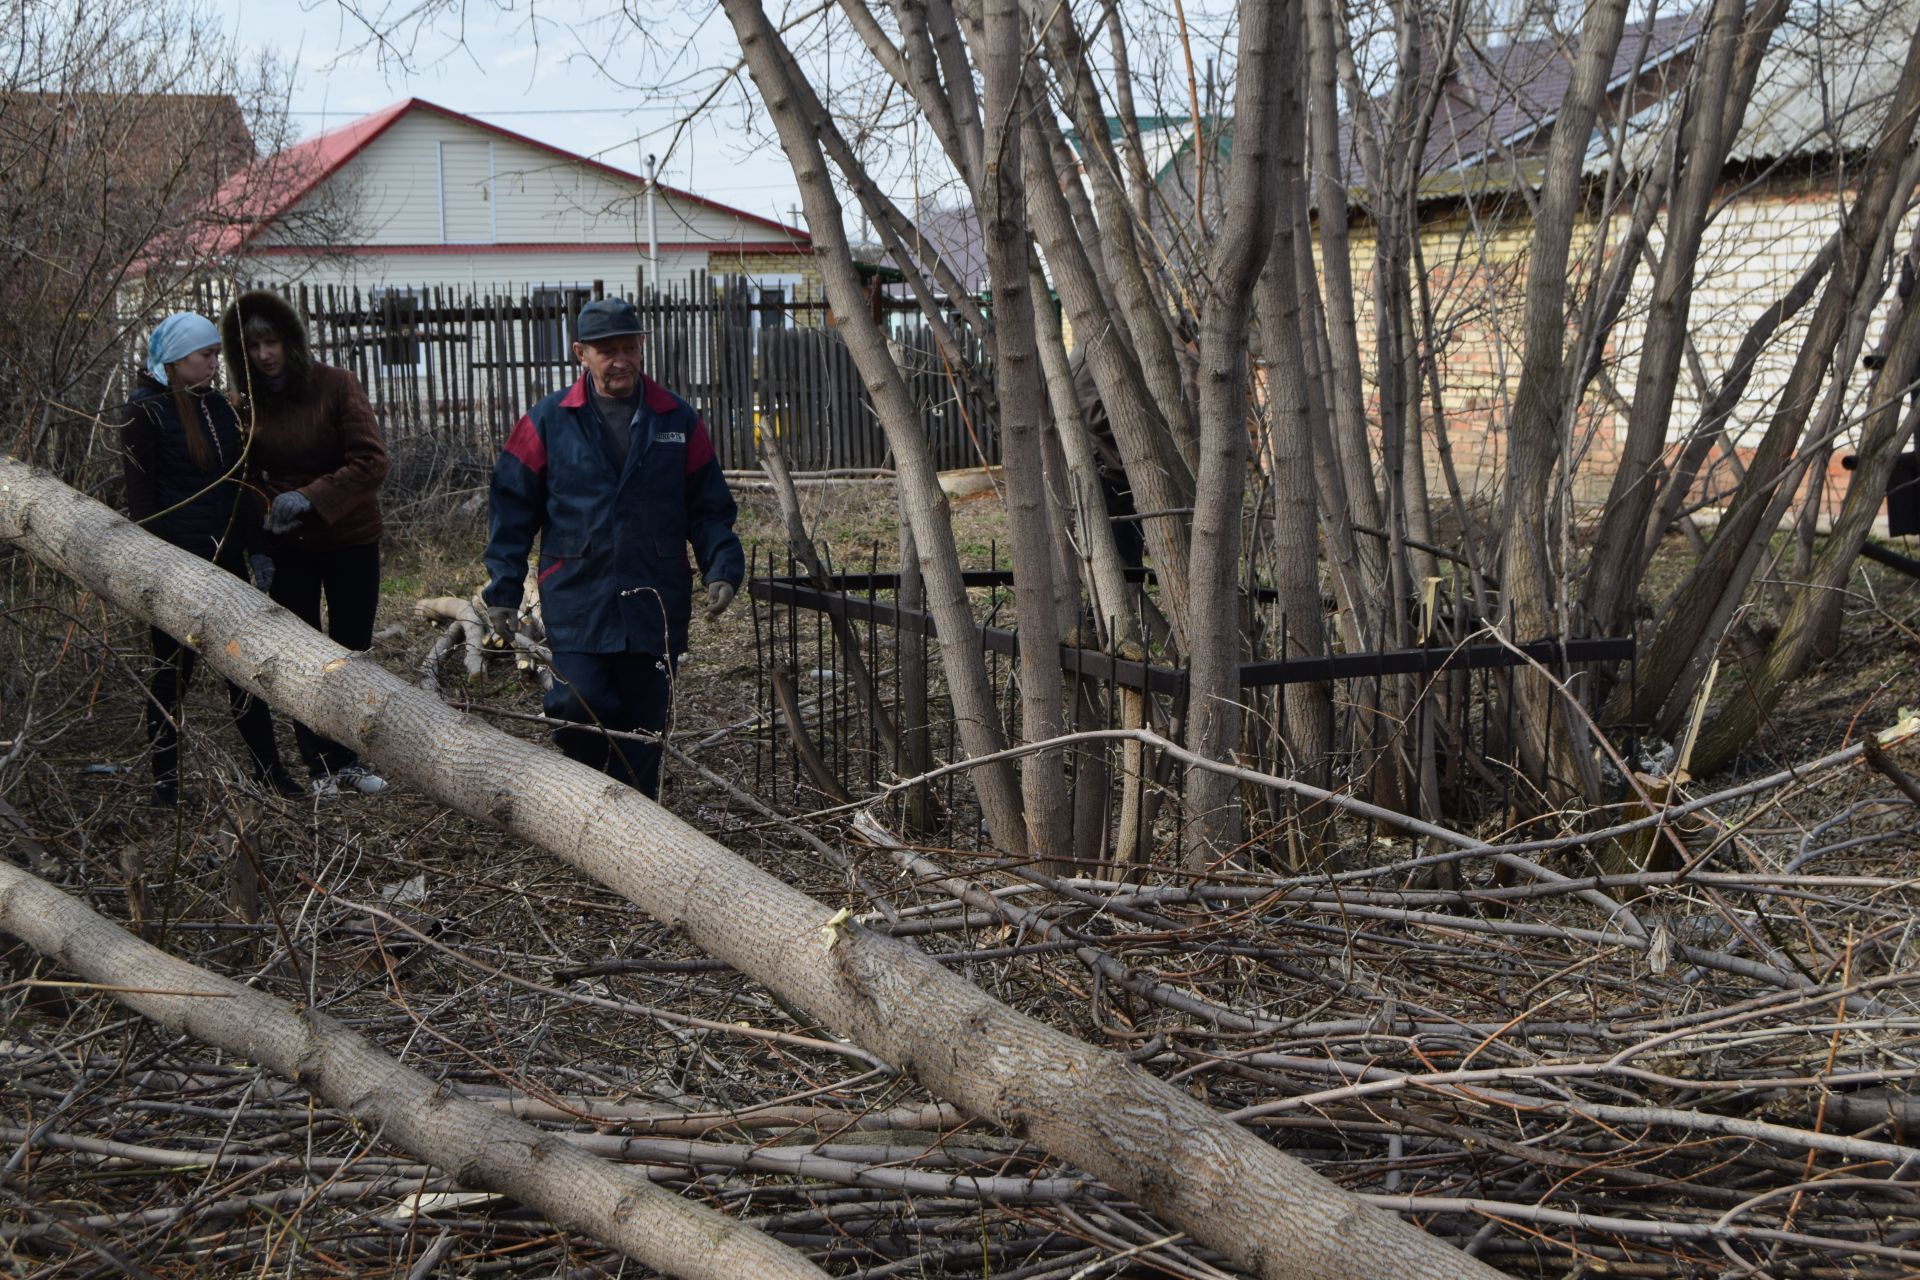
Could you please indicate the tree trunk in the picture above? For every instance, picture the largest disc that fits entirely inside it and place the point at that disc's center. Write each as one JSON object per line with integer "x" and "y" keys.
{"x": 1865, "y": 230}
{"x": 916, "y": 748}
{"x": 1712, "y": 424}
{"x": 1612, "y": 579}
{"x": 1016, "y": 371}
{"x": 425, "y": 1117}
{"x": 1159, "y": 479}
{"x": 980, "y": 730}
{"x": 1124, "y": 245}
{"x": 1881, "y": 439}
{"x": 1290, "y": 448}
{"x": 1182, "y": 1161}
{"x": 1344, "y": 396}
{"x": 1084, "y": 537}
{"x": 1213, "y": 813}
{"x": 1540, "y": 416}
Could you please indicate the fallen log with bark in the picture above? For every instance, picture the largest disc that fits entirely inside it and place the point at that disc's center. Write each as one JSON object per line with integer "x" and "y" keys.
{"x": 1180, "y": 1159}
{"x": 473, "y": 1142}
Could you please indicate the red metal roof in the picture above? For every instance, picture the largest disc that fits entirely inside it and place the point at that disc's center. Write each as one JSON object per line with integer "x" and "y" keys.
{"x": 721, "y": 247}
{"x": 248, "y": 203}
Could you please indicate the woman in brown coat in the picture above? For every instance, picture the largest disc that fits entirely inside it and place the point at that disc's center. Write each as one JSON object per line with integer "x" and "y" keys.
{"x": 319, "y": 458}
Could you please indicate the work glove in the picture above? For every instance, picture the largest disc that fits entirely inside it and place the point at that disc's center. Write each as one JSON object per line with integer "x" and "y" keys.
{"x": 262, "y": 566}
{"x": 288, "y": 510}
{"x": 719, "y": 596}
{"x": 504, "y": 621}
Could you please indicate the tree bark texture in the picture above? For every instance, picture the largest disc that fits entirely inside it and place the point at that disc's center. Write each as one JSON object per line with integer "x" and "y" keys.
{"x": 1291, "y": 443}
{"x": 1160, "y": 481}
{"x": 1213, "y": 814}
{"x": 470, "y": 1140}
{"x": 1092, "y": 1108}
{"x": 787, "y": 98}
{"x": 1343, "y": 391}
{"x": 1124, "y": 244}
{"x": 1540, "y": 410}
{"x": 1084, "y": 537}
{"x": 1016, "y": 369}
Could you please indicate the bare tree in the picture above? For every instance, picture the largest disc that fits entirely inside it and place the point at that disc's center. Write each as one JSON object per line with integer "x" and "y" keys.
{"x": 118, "y": 124}
{"x": 1422, "y": 143}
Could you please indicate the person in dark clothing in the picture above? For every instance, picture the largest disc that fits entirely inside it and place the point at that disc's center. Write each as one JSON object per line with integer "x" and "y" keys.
{"x": 319, "y": 457}
{"x": 615, "y": 476}
{"x": 182, "y": 452}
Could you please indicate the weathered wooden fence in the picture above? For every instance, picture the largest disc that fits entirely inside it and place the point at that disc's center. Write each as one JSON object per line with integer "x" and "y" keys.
{"x": 450, "y": 372}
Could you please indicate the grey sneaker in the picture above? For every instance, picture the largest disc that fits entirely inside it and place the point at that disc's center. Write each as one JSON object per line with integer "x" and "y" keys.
{"x": 354, "y": 777}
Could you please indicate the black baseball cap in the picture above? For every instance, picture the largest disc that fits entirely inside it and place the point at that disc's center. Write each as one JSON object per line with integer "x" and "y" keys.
{"x": 607, "y": 318}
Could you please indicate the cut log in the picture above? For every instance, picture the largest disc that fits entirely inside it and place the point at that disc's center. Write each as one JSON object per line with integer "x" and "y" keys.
{"x": 472, "y": 1140}
{"x": 1090, "y": 1107}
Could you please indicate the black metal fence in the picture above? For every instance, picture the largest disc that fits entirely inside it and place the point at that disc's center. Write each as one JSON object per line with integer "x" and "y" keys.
{"x": 1461, "y": 684}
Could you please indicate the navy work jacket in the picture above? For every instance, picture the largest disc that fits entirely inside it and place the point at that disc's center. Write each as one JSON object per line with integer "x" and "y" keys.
{"x": 613, "y": 575}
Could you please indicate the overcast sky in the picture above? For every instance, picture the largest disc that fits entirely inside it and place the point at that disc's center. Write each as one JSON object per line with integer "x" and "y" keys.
{"x": 547, "y": 89}
{"x": 592, "y": 77}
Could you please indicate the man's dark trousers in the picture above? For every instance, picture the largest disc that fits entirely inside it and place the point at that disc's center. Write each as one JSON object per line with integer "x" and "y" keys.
{"x": 625, "y": 692}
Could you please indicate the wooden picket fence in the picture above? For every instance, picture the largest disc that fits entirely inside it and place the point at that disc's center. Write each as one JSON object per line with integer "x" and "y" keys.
{"x": 449, "y": 372}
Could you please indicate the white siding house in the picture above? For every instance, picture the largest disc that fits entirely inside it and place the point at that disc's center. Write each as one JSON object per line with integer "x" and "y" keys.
{"x": 418, "y": 196}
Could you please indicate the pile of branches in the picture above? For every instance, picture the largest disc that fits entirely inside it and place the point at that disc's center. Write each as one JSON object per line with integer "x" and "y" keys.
{"x": 1698, "y": 1063}
{"x": 1699, "y": 1070}
{"x": 463, "y": 630}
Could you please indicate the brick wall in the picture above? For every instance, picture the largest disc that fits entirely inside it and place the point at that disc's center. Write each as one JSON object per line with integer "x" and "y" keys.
{"x": 811, "y": 287}
{"x": 1476, "y": 274}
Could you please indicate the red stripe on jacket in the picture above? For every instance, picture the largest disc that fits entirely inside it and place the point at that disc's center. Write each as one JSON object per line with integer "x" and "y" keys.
{"x": 699, "y": 447}
{"x": 525, "y": 444}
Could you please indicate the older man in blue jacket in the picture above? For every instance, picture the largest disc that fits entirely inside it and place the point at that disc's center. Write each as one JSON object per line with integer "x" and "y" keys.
{"x": 616, "y": 476}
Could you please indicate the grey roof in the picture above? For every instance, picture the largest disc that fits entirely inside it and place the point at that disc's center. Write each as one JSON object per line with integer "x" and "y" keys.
{"x": 1499, "y": 104}
{"x": 1501, "y": 100}
{"x": 953, "y": 233}
{"x": 1822, "y": 90}
{"x": 1826, "y": 83}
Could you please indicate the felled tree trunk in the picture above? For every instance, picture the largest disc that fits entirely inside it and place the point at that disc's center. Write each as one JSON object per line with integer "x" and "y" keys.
{"x": 1181, "y": 1160}
{"x": 474, "y": 1142}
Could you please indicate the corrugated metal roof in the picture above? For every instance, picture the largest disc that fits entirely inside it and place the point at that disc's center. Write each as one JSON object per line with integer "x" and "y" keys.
{"x": 1822, "y": 90}
{"x": 1827, "y": 81}
{"x": 1499, "y": 99}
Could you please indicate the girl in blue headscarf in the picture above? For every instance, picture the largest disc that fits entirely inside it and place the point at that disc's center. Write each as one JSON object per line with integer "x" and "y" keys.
{"x": 183, "y": 452}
